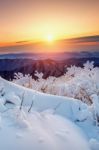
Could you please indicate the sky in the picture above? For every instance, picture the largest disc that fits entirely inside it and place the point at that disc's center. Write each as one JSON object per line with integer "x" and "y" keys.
{"x": 23, "y": 21}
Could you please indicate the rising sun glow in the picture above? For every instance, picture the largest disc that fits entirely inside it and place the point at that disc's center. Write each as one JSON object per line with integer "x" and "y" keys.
{"x": 50, "y": 38}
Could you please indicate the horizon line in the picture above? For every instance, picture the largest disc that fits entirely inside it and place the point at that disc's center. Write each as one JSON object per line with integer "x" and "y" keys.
{"x": 26, "y": 42}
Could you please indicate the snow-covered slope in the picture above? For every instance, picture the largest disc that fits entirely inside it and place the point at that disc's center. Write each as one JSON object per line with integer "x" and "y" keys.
{"x": 40, "y": 121}
{"x": 39, "y": 131}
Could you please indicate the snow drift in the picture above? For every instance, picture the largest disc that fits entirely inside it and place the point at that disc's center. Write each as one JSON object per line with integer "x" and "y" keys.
{"x": 51, "y": 122}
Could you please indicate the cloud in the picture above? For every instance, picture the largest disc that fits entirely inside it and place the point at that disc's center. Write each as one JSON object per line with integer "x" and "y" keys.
{"x": 85, "y": 39}
{"x": 19, "y": 42}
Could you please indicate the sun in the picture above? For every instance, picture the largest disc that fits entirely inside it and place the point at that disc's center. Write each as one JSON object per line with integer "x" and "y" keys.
{"x": 50, "y": 38}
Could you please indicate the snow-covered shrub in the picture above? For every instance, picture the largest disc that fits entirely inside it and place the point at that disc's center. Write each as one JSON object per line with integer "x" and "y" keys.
{"x": 39, "y": 75}
{"x": 24, "y": 80}
{"x": 77, "y": 82}
{"x": 73, "y": 71}
{"x": 88, "y": 65}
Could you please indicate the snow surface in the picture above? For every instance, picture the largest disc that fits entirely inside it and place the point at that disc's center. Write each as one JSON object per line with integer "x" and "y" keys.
{"x": 39, "y": 131}
{"x": 54, "y": 122}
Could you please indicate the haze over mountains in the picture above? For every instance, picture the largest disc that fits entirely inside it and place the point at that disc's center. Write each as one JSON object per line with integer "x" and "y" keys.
{"x": 53, "y": 64}
{"x": 54, "y": 56}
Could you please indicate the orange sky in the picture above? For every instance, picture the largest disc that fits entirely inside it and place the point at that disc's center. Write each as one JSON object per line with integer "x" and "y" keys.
{"x": 22, "y": 20}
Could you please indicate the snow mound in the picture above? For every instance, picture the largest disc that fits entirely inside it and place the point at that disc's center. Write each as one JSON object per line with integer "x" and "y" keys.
{"x": 39, "y": 131}
{"x": 45, "y": 125}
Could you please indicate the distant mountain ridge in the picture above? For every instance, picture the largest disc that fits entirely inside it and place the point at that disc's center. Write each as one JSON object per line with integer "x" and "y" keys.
{"x": 55, "y": 56}
{"x": 49, "y": 67}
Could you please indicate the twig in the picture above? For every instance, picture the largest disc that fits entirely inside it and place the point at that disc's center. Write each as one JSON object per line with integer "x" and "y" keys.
{"x": 57, "y": 106}
{"x": 31, "y": 106}
{"x": 22, "y": 100}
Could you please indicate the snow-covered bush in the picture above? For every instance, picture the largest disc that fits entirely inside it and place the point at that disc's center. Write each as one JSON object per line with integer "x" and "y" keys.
{"x": 77, "y": 82}
{"x": 24, "y": 80}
